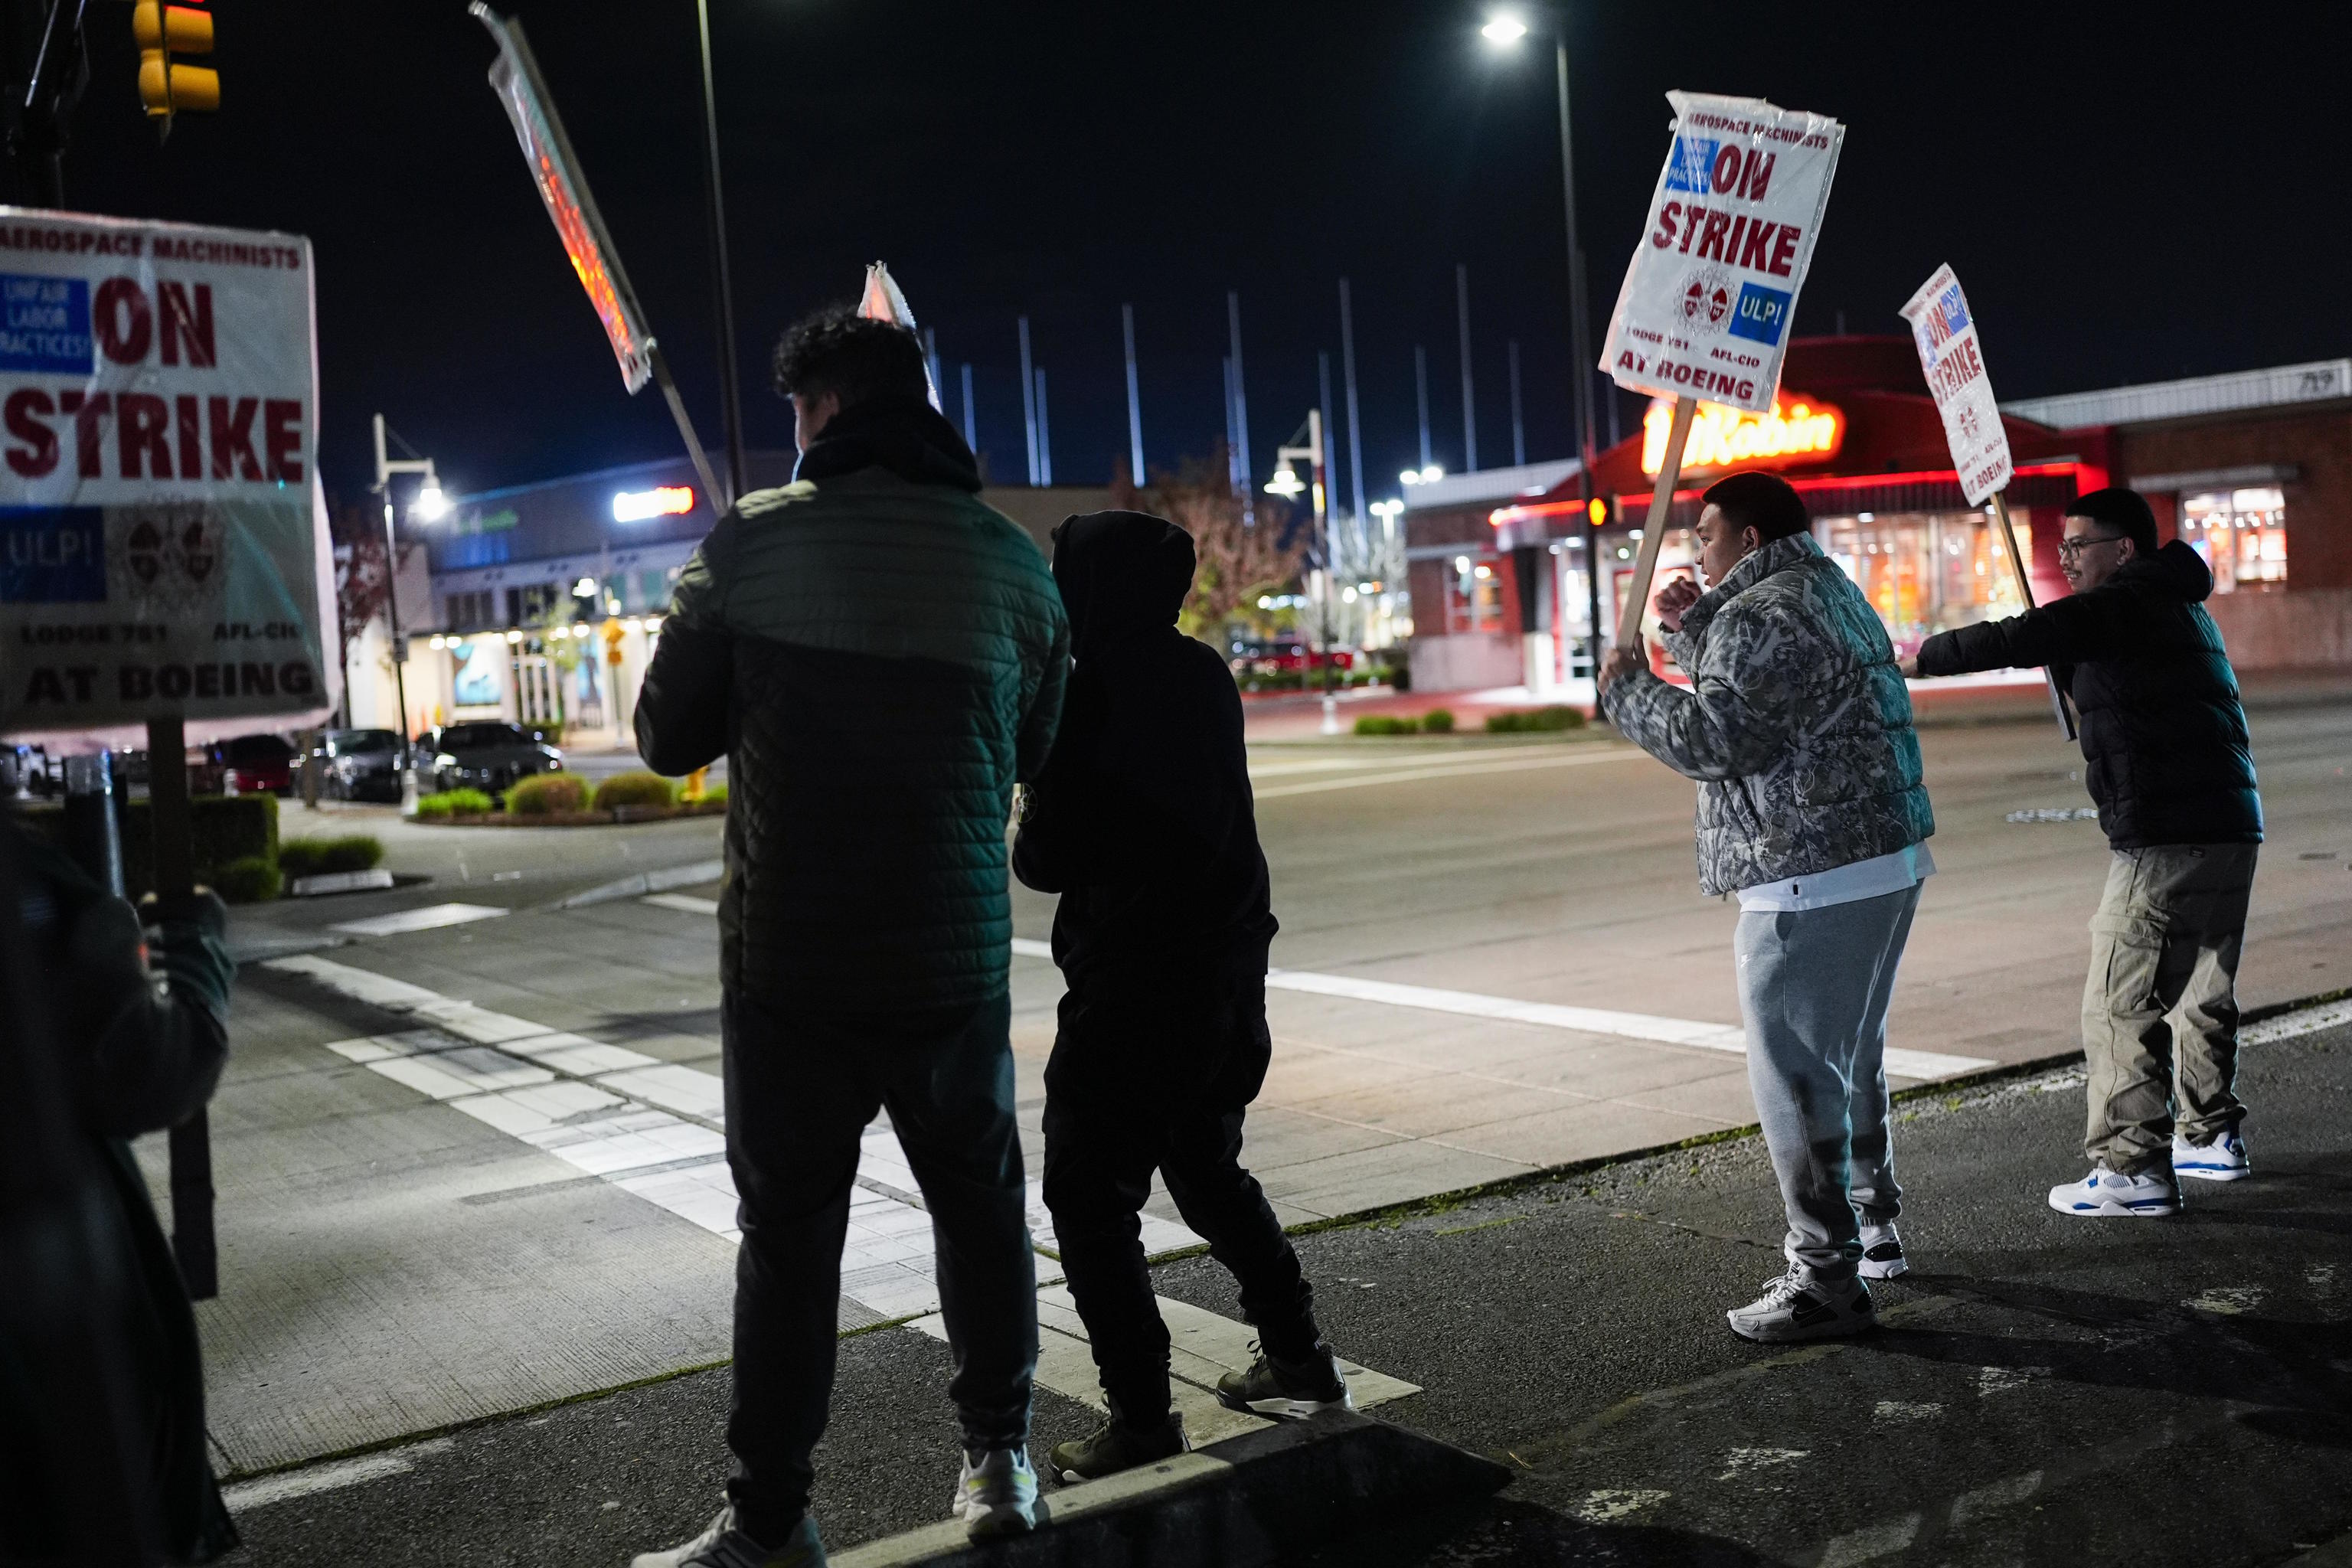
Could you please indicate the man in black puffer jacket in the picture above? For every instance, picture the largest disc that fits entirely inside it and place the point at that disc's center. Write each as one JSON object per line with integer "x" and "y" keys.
{"x": 2169, "y": 761}
{"x": 879, "y": 654}
{"x": 1143, "y": 823}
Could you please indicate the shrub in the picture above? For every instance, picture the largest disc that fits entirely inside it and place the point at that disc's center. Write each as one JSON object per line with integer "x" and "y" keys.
{"x": 715, "y": 794}
{"x": 634, "y": 789}
{"x": 316, "y": 857}
{"x": 249, "y": 880}
{"x": 1539, "y": 720}
{"x": 1438, "y": 721}
{"x": 454, "y": 803}
{"x": 1386, "y": 724}
{"x": 542, "y": 794}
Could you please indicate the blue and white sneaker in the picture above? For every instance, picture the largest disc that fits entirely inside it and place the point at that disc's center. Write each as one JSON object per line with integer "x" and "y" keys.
{"x": 2223, "y": 1160}
{"x": 2103, "y": 1192}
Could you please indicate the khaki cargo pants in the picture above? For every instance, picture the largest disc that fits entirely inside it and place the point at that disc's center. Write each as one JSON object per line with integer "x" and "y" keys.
{"x": 2160, "y": 1007}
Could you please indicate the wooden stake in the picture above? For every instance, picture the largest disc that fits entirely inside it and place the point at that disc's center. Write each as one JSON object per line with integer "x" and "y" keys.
{"x": 1636, "y": 603}
{"x": 2025, "y": 591}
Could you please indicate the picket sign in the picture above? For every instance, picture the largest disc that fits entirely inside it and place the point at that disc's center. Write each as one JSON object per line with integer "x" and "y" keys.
{"x": 1951, "y": 352}
{"x": 1708, "y": 297}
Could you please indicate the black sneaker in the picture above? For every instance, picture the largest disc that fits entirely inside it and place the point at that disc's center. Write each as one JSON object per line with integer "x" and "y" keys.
{"x": 1115, "y": 1445}
{"x": 1292, "y": 1390}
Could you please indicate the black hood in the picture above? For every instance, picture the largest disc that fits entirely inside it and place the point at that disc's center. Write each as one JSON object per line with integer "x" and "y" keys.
{"x": 904, "y": 435}
{"x": 1120, "y": 572}
{"x": 2176, "y": 570}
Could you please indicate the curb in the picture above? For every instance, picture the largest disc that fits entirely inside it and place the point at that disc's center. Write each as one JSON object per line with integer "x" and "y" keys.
{"x": 644, "y": 882}
{"x": 1261, "y": 1498}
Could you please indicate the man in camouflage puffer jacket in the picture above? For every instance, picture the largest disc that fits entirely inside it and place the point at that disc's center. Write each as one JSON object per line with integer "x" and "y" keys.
{"x": 879, "y": 654}
{"x": 1797, "y": 726}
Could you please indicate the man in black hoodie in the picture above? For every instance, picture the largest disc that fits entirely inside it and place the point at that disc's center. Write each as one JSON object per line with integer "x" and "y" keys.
{"x": 2167, "y": 760}
{"x": 1142, "y": 821}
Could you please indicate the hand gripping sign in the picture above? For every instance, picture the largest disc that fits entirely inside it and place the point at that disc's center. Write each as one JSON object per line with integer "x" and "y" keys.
{"x": 163, "y": 549}
{"x": 1707, "y": 301}
{"x": 1952, "y": 355}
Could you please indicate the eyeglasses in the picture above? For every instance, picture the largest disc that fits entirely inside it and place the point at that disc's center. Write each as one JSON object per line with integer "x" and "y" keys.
{"x": 2072, "y": 549}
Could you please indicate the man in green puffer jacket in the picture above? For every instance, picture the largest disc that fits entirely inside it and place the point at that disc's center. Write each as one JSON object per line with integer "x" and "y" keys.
{"x": 879, "y": 656}
{"x": 1810, "y": 808}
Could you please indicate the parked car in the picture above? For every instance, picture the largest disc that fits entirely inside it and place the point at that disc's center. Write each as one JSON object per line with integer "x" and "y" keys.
{"x": 488, "y": 755}
{"x": 1285, "y": 657}
{"x": 355, "y": 764}
{"x": 256, "y": 764}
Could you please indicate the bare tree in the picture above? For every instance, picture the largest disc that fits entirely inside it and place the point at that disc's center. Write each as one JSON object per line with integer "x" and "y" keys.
{"x": 1237, "y": 560}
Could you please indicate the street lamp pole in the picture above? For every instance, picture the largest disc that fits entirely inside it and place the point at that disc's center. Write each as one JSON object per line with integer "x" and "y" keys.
{"x": 1286, "y": 484}
{"x": 385, "y": 467}
{"x": 731, "y": 400}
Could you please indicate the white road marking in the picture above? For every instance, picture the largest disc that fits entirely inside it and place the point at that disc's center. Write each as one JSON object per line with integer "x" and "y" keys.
{"x": 1731, "y": 1037}
{"x": 1597, "y": 753}
{"x": 685, "y": 903}
{"x": 428, "y": 917}
{"x": 1740, "y": 1461}
{"x": 1902, "y": 1410}
{"x": 2227, "y": 1300}
{"x": 1204, "y": 1348}
{"x": 650, "y": 1128}
{"x": 1601, "y": 1506}
{"x": 1871, "y": 1543}
{"x": 264, "y": 1490}
{"x": 1971, "y": 1506}
{"x": 2303, "y": 1021}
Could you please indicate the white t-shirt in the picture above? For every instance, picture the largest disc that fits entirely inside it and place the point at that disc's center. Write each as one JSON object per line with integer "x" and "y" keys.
{"x": 1871, "y": 879}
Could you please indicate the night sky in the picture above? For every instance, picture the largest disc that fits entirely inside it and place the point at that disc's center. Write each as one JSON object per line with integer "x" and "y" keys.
{"x": 2125, "y": 198}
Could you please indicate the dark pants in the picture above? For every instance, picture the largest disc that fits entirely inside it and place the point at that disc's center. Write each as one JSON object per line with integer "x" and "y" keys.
{"x": 800, "y": 1087}
{"x": 1139, "y": 1083}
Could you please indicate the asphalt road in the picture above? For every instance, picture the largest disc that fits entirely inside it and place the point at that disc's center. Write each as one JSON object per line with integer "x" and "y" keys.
{"x": 2042, "y": 1389}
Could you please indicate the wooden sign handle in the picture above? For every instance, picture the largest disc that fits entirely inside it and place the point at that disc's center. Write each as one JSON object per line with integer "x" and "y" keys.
{"x": 1636, "y": 603}
{"x": 2025, "y": 592}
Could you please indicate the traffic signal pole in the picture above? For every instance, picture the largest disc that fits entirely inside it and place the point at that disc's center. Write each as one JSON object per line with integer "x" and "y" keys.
{"x": 59, "y": 73}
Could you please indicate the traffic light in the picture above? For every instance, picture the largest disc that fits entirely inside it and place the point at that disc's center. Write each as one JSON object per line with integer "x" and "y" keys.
{"x": 166, "y": 87}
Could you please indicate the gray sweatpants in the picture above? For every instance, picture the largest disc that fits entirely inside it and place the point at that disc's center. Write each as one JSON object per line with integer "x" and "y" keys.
{"x": 2160, "y": 1007}
{"x": 1814, "y": 985}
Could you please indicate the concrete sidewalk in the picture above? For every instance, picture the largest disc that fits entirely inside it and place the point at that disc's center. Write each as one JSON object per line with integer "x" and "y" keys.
{"x": 2042, "y": 1389}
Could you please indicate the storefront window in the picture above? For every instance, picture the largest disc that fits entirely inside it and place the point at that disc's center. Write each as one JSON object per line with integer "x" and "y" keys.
{"x": 1927, "y": 572}
{"x": 1473, "y": 596}
{"x": 2242, "y": 535}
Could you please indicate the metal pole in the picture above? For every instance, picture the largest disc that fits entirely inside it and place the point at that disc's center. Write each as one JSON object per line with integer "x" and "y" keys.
{"x": 1134, "y": 401}
{"x": 1028, "y": 400}
{"x": 168, "y": 830}
{"x": 1323, "y": 532}
{"x": 931, "y": 358}
{"x": 1580, "y": 386}
{"x": 1469, "y": 403}
{"x": 1593, "y": 593}
{"x": 1421, "y": 398}
{"x": 392, "y": 622}
{"x": 39, "y": 144}
{"x": 970, "y": 429}
{"x": 1323, "y": 391}
{"x": 1045, "y": 437}
{"x": 1347, "y": 374}
{"x": 1519, "y": 421}
{"x": 1241, "y": 395}
{"x": 731, "y": 400}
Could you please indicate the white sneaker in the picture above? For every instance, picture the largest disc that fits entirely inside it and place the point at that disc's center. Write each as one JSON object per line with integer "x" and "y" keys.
{"x": 2103, "y": 1192}
{"x": 997, "y": 1494}
{"x": 2223, "y": 1160}
{"x": 1882, "y": 1252}
{"x": 1798, "y": 1307}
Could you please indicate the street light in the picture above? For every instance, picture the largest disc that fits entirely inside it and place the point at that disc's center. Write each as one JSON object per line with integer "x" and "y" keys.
{"x": 1312, "y": 454}
{"x": 1504, "y": 29}
{"x": 1285, "y": 482}
{"x": 1428, "y": 476}
{"x": 431, "y": 504}
{"x": 385, "y": 467}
